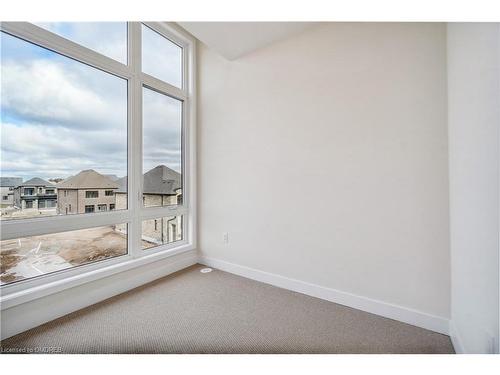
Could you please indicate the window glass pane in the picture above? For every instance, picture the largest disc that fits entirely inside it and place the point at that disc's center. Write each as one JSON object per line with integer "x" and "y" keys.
{"x": 108, "y": 38}
{"x": 162, "y": 164}
{"x": 161, "y": 231}
{"x": 64, "y": 134}
{"x": 27, "y": 257}
{"x": 161, "y": 58}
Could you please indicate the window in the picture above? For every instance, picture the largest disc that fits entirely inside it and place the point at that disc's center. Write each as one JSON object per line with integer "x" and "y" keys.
{"x": 161, "y": 58}
{"x": 82, "y": 110}
{"x": 117, "y": 125}
{"x": 5, "y": 197}
{"x": 162, "y": 150}
{"x": 58, "y": 251}
{"x": 91, "y": 194}
{"x": 161, "y": 231}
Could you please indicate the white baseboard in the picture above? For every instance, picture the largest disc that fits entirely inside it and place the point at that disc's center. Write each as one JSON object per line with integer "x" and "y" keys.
{"x": 31, "y": 314}
{"x": 387, "y": 310}
{"x": 456, "y": 339}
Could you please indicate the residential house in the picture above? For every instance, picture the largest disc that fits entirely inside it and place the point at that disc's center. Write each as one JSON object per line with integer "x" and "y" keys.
{"x": 88, "y": 191}
{"x": 35, "y": 193}
{"x": 7, "y": 186}
{"x": 162, "y": 186}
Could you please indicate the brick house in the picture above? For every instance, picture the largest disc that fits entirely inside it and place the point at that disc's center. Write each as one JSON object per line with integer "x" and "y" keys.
{"x": 86, "y": 192}
{"x": 162, "y": 187}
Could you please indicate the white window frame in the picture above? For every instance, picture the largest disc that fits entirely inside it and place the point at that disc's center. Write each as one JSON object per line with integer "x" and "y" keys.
{"x": 25, "y": 290}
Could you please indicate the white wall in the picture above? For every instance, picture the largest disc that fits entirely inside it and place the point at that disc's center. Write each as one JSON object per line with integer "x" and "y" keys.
{"x": 325, "y": 159}
{"x": 474, "y": 120}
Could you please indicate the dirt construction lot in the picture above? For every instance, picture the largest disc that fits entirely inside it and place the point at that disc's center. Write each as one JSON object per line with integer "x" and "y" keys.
{"x": 37, "y": 255}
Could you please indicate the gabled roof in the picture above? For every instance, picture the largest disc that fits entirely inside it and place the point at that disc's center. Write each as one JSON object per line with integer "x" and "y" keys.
{"x": 10, "y": 181}
{"x": 36, "y": 181}
{"x": 88, "y": 179}
{"x": 159, "y": 180}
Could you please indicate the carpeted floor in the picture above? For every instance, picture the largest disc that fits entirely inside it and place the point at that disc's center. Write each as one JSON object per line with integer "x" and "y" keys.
{"x": 217, "y": 312}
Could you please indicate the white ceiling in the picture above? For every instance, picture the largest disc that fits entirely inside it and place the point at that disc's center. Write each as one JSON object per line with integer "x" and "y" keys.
{"x": 235, "y": 39}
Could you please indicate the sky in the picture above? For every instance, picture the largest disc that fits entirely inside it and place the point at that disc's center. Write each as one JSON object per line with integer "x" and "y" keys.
{"x": 60, "y": 116}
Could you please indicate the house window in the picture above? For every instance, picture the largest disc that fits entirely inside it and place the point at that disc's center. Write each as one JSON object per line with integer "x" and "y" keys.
{"x": 92, "y": 194}
{"x": 124, "y": 87}
{"x": 5, "y": 197}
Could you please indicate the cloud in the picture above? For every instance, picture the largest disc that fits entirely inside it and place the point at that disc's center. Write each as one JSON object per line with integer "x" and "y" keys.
{"x": 160, "y": 57}
{"x": 162, "y": 116}
{"x": 59, "y": 93}
{"x": 108, "y": 38}
{"x": 60, "y": 117}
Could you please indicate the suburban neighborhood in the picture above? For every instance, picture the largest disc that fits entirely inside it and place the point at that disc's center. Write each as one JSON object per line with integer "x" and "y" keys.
{"x": 86, "y": 192}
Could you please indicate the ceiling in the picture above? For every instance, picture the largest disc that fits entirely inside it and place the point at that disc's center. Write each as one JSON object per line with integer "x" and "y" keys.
{"x": 235, "y": 39}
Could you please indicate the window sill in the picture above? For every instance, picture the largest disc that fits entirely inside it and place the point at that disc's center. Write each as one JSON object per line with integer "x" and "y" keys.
{"x": 9, "y": 300}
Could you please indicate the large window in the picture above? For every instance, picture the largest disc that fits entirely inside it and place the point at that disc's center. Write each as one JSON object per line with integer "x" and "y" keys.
{"x": 76, "y": 118}
{"x": 28, "y": 257}
{"x": 162, "y": 149}
{"x": 95, "y": 123}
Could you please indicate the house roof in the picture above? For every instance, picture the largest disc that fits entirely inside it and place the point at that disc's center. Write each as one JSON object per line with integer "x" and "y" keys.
{"x": 88, "y": 179}
{"x": 10, "y": 181}
{"x": 159, "y": 180}
{"x": 36, "y": 181}
{"x": 112, "y": 177}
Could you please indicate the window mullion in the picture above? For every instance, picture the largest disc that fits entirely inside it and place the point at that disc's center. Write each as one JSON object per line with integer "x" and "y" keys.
{"x": 135, "y": 138}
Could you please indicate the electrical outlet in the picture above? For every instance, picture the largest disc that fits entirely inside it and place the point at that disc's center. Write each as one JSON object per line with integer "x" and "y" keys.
{"x": 225, "y": 238}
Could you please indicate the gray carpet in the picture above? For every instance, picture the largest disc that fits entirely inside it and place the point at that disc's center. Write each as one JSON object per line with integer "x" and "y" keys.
{"x": 217, "y": 312}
